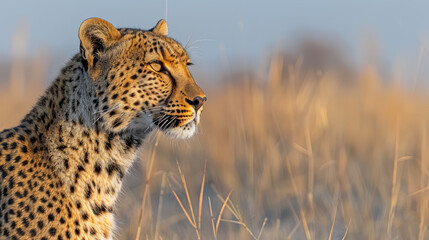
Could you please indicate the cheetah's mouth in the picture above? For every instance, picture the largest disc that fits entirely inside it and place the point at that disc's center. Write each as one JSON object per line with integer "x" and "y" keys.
{"x": 176, "y": 128}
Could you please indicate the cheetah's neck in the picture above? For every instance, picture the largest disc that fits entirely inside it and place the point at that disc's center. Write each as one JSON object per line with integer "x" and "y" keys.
{"x": 68, "y": 134}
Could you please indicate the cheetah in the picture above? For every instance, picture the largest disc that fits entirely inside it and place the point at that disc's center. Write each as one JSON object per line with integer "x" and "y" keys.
{"x": 61, "y": 168}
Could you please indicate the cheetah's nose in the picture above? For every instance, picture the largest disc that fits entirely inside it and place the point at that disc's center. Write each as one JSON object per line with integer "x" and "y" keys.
{"x": 197, "y": 102}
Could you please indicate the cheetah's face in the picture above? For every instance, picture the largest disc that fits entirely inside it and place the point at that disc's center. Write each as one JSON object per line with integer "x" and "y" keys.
{"x": 141, "y": 79}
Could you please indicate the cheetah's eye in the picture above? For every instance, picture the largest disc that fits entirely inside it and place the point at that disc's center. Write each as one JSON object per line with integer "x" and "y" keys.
{"x": 156, "y": 66}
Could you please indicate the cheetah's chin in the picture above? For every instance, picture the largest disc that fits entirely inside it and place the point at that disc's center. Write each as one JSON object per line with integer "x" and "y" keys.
{"x": 182, "y": 132}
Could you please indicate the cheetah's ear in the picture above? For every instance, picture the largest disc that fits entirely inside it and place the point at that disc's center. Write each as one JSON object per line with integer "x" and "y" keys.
{"x": 95, "y": 35}
{"x": 161, "y": 28}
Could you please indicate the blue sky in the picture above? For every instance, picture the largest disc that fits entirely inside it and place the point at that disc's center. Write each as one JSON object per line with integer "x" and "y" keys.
{"x": 227, "y": 29}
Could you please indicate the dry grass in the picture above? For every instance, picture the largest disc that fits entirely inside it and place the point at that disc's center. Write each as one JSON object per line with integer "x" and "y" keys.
{"x": 290, "y": 155}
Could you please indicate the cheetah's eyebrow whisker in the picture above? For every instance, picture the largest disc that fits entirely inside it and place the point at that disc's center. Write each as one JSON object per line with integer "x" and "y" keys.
{"x": 190, "y": 44}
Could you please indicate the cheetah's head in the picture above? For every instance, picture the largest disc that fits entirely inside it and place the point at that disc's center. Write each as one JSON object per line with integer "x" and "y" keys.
{"x": 141, "y": 79}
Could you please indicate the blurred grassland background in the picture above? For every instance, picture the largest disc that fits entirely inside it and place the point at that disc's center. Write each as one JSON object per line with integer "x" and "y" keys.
{"x": 302, "y": 146}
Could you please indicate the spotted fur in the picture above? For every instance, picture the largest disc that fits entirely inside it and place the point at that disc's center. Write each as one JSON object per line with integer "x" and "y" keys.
{"x": 61, "y": 169}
